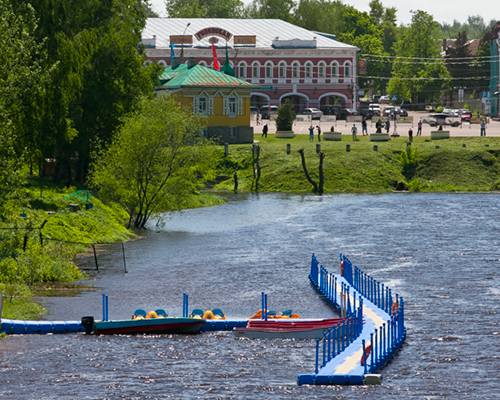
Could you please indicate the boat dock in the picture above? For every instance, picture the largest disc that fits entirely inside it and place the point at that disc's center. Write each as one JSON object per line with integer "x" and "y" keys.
{"x": 382, "y": 332}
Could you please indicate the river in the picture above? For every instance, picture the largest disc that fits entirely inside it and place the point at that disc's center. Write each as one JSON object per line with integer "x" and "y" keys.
{"x": 438, "y": 251}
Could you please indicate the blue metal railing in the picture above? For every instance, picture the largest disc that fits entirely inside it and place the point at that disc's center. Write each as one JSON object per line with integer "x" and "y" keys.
{"x": 385, "y": 341}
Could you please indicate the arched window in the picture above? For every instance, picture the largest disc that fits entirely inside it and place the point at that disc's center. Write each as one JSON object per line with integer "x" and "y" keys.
{"x": 282, "y": 70}
{"x": 242, "y": 70}
{"x": 308, "y": 70}
{"x": 295, "y": 70}
{"x": 255, "y": 69}
{"x": 335, "y": 70}
{"x": 347, "y": 69}
{"x": 203, "y": 63}
{"x": 269, "y": 70}
{"x": 321, "y": 70}
{"x": 163, "y": 63}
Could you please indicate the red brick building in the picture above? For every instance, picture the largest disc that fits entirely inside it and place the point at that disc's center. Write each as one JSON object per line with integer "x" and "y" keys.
{"x": 312, "y": 69}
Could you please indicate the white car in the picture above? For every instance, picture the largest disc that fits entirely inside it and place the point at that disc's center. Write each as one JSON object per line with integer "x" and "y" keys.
{"x": 313, "y": 112}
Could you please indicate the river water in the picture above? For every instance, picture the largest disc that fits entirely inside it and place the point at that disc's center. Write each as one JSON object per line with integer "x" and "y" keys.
{"x": 438, "y": 251}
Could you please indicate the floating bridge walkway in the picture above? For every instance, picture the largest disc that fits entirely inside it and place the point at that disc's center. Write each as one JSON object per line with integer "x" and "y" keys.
{"x": 354, "y": 356}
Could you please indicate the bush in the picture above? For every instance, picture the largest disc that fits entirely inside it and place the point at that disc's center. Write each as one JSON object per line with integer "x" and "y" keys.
{"x": 285, "y": 117}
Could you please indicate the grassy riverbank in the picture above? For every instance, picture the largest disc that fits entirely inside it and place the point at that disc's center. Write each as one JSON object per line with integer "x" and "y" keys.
{"x": 41, "y": 235}
{"x": 452, "y": 167}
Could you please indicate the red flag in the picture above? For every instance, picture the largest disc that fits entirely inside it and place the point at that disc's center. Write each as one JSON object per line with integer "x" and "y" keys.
{"x": 216, "y": 64}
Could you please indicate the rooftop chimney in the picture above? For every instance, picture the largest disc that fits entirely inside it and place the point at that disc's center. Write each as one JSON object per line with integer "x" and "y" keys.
{"x": 191, "y": 62}
{"x": 175, "y": 62}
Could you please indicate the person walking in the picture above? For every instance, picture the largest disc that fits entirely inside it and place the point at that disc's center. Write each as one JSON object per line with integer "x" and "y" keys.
{"x": 264, "y": 130}
{"x": 311, "y": 134}
{"x": 258, "y": 118}
{"x": 410, "y": 134}
{"x": 319, "y": 133}
{"x": 483, "y": 128}
{"x": 419, "y": 125}
{"x": 354, "y": 131}
{"x": 387, "y": 125}
{"x": 364, "y": 128}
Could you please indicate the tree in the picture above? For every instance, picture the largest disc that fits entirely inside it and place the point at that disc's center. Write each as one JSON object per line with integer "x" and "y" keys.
{"x": 97, "y": 73}
{"x": 271, "y": 9}
{"x": 20, "y": 72}
{"x": 204, "y": 8}
{"x": 285, "y": 117}
{"x": 419, "y": 72}
{"x": 156, "y": 162}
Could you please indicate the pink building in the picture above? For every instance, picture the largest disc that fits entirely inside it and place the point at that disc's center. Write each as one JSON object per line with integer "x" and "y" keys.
{"x": 312, "y": 69}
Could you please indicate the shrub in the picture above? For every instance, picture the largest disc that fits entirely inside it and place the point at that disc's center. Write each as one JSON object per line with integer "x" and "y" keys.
{"x": 285, "y": 117}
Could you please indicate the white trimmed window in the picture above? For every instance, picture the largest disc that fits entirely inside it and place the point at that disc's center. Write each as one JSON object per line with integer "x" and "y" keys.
{"x": 242, "y": 70}
{"x": 295, "y": 71}
{"x": 282, "y": 70}
{"x": 335, "y": 70}
{"x": 203, "y": 104}
{"x": 347, "y": 69}
{"x": 255, "y": 70}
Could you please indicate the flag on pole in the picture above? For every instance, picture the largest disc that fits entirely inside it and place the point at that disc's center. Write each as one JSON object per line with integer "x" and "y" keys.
{"x": 216, "y": 64}
{"x": 172, "y": 53}
{"x": 227, "y": 68}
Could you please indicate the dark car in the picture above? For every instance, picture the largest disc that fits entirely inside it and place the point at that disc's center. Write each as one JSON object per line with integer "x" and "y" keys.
{"x": 370, "y": 113}
{"x": 347, "y": 111}
{"x": 330, "y": 110}
{"x": 466, "y": 116}
{"x": 401, "y": 112}
{"x": 266, "y": 111}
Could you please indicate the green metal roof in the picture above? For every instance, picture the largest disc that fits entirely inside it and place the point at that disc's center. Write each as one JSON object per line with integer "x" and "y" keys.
{"x": 198, "y": 76}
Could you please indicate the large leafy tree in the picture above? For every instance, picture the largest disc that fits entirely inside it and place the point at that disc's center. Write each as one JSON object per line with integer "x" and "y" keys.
{"x": 98, "y": 75}
{"x": 419, "y": 72}
{"x": 156, "y": 162}
{"x": 20, "y": 73}
{"x": 271, "y": 9}
{"x": 204, "y": 8}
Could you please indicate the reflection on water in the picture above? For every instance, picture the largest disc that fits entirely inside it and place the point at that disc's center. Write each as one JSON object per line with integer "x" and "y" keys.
{"x": 438, "y": 251}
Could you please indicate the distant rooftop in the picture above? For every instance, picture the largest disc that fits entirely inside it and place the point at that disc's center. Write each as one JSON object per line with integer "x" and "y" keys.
{"x": 269, "y": 33}
{"x": 197, "y": 76}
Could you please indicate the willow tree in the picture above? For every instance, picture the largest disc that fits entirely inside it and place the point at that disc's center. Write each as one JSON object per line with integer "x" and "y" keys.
{"x": 156, "y": 162}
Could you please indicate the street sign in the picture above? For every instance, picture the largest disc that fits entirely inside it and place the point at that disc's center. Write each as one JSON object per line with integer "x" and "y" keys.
{"x": 266, "y": 88}
{"x": 443, "y": 98}
{"x": 488, "y": 102}
{"x": 484, "y": 94}
{"x": 394, "y": 98}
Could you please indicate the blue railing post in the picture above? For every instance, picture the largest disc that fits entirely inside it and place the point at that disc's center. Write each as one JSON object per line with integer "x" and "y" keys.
{"x": 107, "y": 314}
{"x": 334, "y": 338}
{"x": 104, "y": 307}
{"x": 364, "y": 356}
{"x": 265, "y": 306}
{"x": 324, "y": 348}
{"x": 377, "y": 361}
{"x": 317, "y": 355}
{"x": 329, "y": 343}
{"x": 372, "y": 366}
{"x": 384, "y": 348}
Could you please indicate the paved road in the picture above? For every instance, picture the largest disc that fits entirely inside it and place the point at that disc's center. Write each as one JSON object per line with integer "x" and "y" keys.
{"x": 465, "y": 130}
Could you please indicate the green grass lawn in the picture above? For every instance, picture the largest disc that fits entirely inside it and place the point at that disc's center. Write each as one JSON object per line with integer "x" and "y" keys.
{"x": 451, "y": 167}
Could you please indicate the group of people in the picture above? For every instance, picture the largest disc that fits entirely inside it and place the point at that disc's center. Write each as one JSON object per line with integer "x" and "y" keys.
{"x": 311, "y": 133}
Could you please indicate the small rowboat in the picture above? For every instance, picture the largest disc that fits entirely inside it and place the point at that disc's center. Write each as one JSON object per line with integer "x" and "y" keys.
{"x": 143, "y": 326}
{"x": 287, "y": 329}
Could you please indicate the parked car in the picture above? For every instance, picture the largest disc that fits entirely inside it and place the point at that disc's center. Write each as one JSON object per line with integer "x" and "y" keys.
{"x": 330, "y": 110}
{"x": 313, "y": 112}
{"x": 388, "y": 110}
{"x": 254, "y": 110}
{"x": 443, "y": 119}
{"x": 266, "y": 111}
{"x": 466, "y": 116}
{"x": 384, "y": 99}
{"x": 401, "y": 112}
{"x": 347, "y": 111}
{"x": 375, "y": 106}
{"x": 370, "y": 113}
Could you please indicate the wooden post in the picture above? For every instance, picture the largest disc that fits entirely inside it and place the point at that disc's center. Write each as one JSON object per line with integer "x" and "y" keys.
{"x": 288, "y": 148}
{"x": 124, "y": 262}
{"x": 226, "y": 149}
{"x": 95, "y": 258}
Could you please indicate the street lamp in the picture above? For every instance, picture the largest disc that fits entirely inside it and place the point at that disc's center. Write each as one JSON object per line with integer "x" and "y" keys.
{"x": 182, "y": 43}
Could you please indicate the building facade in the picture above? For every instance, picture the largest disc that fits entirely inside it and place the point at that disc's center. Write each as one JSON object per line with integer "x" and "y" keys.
{"x": 287, "y": 62}
{"x": 222, "y": 100}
